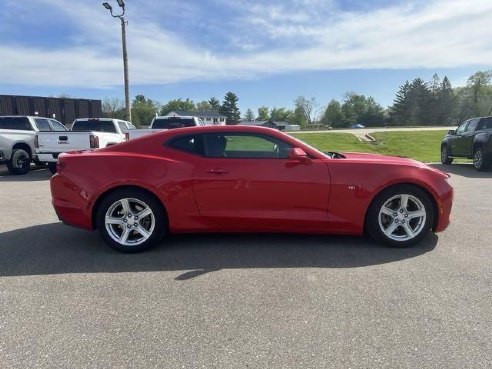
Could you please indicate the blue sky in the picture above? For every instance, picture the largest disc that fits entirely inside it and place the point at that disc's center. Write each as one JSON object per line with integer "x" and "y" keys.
{"x": 267, "y": 52}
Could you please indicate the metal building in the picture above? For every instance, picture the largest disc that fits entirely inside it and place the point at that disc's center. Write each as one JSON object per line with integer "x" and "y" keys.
{"x": 63, "y": 109}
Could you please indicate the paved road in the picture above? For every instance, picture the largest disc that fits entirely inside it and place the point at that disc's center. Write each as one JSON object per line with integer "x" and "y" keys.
{"x": 251, "y": 301}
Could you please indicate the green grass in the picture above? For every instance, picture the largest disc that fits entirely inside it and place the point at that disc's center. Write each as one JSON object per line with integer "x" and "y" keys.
{"x": 420, "y": 145}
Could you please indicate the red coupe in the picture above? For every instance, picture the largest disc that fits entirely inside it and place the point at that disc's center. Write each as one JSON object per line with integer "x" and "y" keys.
{"x": 245, "y": 179}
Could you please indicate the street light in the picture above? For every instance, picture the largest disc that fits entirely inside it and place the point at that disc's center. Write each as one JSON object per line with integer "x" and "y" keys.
{"x": 121, "y": 4}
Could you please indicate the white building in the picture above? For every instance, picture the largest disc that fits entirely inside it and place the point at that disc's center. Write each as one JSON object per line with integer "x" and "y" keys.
{"x": 210, "y": 118}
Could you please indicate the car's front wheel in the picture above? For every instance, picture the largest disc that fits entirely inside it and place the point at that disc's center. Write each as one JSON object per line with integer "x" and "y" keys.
{"x": 445, "y": 159}
{"x": 400, "y": 216}
{"x": 131, "y": 220}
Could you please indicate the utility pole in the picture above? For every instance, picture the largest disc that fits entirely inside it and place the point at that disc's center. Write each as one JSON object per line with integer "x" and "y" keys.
{"x": 121, "y": 4}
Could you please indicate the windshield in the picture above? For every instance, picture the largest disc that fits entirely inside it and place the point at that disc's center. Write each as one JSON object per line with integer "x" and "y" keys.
{"x": 311, "y": 147}
{"x": 94, "y": 125}
{"x": 173, "y": 122}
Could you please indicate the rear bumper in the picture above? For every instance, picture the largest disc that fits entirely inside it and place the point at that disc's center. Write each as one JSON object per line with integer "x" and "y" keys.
{"x": 48, "y": 158}
{"x": 70, "y": 202}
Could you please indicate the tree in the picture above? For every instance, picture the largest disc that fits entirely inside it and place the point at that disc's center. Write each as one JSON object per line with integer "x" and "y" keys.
{"x": 203, "y": 106}
{"x": 177, "y": 105}
{"x": 445, "y": 102}
{"x": 280, "y": 114}
{"x": 113, "y": 108}
{"x": 263, "y": 113}
{"x": 298, "y": 117}
{"x": 143, "y": 110}
{"x": 214, "y": 104}
{"x": 477, "y": 82}
{"x": 360, "y": 109}
{"x": 333, "y": 115}
{"x": 229, "y": 108}
{"x": 481, "y": 92}
{"x": 414, "y": 104}
{"x": 249, "y": 116}
{"x": 309, "y": 108}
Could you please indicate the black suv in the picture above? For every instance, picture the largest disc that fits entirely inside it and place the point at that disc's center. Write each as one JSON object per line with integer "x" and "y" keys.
{"x": 472, "y": 140}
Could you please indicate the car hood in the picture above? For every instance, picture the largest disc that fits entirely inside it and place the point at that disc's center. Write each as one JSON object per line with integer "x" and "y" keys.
{"x": 392, "y": 160}
{"x": 376, "y": 158}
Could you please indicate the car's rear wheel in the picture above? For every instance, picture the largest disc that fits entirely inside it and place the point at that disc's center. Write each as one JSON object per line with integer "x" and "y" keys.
{"x": 19, "y": 162}
{"x": 445, "y": 159}
{"x": 480, "y": 161}
{"x": 400, "y": 216}
{"x": 131, "y": 220}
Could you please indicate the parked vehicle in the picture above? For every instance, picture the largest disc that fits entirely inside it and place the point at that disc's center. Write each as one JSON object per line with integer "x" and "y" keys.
{"x": 166, "y": 122}
{"x": 473, "y": 140}
{"x": 85, "y": 133}
{"x": 17, "y": 135}
{"x": 245, "y": 179}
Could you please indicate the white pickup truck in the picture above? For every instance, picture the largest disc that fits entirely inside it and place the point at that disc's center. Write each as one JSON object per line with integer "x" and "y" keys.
{"x": 17, "y": 135}
{"x": 85, "y": 134}
{"x": 166, "y": 122}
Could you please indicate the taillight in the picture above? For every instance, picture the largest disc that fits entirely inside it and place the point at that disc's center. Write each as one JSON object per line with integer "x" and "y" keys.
{"x": 36, "y": 142}
{"x": 94, "y": 141}
{"x": 127, "y": 136}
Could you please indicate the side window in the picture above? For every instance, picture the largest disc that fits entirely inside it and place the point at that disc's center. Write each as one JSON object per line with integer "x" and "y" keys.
{"x": 472, "y": 125}
{"x": 17, "y": 123}
{"x": 240, "y": 145}
{"x": 122, "y": 126}
{"x": 192, "y": 144}
{"x": 57, "y": 126}
{"x": 462, "y": 127}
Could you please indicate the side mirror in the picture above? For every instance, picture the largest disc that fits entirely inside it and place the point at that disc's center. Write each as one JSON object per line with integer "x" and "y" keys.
{"x": 300, "y": 155}
{"x": 451, "y": 132}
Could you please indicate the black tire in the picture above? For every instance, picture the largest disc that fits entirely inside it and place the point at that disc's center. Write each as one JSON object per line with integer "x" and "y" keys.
{"x": 401, "y": 218}
{"x": 445, "y": 159}
{"x": 19, "y": 162}
{"x": 137, "y": 200}
{"x": 52, "y": 167}
{"x": 481, "y": 162}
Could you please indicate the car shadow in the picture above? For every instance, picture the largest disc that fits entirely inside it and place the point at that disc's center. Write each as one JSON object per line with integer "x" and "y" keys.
{"x": 58, "y": 249}
{"x": 463, "y": 170}
{"x": 36, "y": 173}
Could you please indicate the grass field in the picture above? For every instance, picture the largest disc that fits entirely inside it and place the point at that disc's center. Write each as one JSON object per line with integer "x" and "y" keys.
{"x": 420, "y": 145}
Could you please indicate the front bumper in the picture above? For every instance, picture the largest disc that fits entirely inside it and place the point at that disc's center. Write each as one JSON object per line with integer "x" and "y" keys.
{"x": 444, "y": 210}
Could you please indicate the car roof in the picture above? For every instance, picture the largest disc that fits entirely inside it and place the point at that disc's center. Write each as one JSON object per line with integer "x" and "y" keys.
{"x": 175, "y": 116}
{"x": 231, "y": 128}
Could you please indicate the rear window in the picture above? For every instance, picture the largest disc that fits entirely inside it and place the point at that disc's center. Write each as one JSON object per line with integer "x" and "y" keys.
{"x": 94, "y": 125}
{"x": 173, "y": 122}
{"x": 19, "y": 123}
{"x": 43, "y": 124}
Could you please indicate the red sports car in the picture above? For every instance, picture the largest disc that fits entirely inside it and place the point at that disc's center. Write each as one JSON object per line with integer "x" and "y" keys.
{"x": 245, "y": 179}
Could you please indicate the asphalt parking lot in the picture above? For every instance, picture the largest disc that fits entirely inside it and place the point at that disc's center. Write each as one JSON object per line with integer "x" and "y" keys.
{"x": 243, "y": 301}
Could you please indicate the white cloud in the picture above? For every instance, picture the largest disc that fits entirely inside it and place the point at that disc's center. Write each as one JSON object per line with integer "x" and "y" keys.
{"x": 267, "y": 38}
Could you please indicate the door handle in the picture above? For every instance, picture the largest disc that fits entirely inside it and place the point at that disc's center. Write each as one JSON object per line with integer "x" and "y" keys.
{"x": 218, "y": 171}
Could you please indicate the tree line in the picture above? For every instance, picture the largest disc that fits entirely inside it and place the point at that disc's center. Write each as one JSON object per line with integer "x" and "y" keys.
{"x": 416, "y": 102}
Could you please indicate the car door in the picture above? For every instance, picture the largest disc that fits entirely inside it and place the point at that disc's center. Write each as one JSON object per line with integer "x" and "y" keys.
{"x": 454, "y": 139}
{"x": 464, "y": 139}
{"x": 247, "y": 181}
